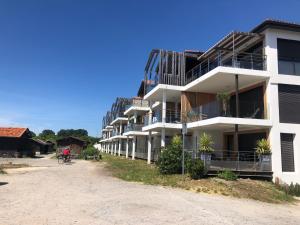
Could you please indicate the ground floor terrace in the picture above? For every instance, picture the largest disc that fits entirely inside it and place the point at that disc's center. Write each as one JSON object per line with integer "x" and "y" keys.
{"x": 232, "y": 150}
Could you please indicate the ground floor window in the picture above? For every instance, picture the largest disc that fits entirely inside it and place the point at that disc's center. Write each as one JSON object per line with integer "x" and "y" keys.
{"x": 287, "y": 152}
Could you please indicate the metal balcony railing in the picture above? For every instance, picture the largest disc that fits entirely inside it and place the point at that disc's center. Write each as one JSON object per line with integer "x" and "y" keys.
{"x": 247, "y": 109}
{"x": 243, "y": 60}
{"x": 235, "y": 160}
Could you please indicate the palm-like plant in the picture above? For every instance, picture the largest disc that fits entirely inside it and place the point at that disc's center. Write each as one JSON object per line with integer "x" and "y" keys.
{"x": 263, "y": 147}
{"x": 206, "y": 143}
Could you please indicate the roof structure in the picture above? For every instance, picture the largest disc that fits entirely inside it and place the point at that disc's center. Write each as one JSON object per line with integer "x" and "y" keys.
{"x": 230, "y": 42}
{"x": 14, "y": 132}
{"x": 276, "y": 24}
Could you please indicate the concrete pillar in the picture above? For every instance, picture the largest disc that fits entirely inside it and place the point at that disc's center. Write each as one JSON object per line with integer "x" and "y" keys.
{"x": 163, "y": 138}
{"x": 135, "y": 118}
{"x": 150, "y": 117}
{"x": 112, "y": 148}
{"x": 121, "y": 128}
{"x": 115, "y": 150}
{"x": 127, "y": 147}
{"x": 133, "y": 147}
{"x": 120, "y": 145}
{"x": 149, "y": 148}
{"x": 164, "y": 107}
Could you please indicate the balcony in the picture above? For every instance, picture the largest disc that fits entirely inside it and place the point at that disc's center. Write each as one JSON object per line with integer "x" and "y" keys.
{"x": 171, "y": 117}
{"x": 248, "y": 109}
{"x": 243, "y": 61}
{"x": 137, "y": 105}
{"x": 133, "y": 127}
{"x": 236, "y": 161}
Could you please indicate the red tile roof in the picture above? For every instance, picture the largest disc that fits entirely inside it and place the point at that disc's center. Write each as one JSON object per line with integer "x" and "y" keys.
{"x": 12, "y": 131}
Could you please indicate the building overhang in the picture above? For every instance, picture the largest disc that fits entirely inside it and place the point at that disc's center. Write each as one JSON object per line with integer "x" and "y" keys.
{"x": 118, "y": 137}
{"x": 119, "y": 120}
{"x": 159, "y": 126}
{"x": 173, "y": 93}
{"x": 136, "y": 109}
{"x": 136, "y": 133}
{"x": 226, "y": 123}
{"x": 108, "y": 127}
{"x": 222, "y": 79}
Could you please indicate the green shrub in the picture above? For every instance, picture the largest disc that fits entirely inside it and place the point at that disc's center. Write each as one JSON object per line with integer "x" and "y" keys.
{"x": 206, "y": 143}
{"x": 170, "y": 160}
{"x": 197, "y": 169}
{"x": 292, "y": 189}
{"x": 89, "y": 151}
{"x": 227, "y": 175}
{"x": 263, "y": 147}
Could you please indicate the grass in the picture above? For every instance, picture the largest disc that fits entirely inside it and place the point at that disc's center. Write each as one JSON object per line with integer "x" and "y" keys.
{"x": 11, "y": 166}
{"x": 139, "y": 171}
{"x": 2, "y": 171}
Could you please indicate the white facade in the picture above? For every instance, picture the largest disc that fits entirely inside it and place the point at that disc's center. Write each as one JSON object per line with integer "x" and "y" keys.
{"x": 163, "y": 124}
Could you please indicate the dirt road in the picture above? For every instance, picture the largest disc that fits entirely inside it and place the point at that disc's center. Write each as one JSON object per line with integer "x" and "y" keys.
{"x": 83, "y": 193}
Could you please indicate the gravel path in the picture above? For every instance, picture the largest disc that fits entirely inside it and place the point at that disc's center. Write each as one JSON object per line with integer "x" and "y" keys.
{"x": 83, "y": 193}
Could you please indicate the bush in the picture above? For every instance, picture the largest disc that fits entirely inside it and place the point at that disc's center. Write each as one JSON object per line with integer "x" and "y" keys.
{"x": 227, "y": 175}
{"x": 89, "y": 151}
{"x": 170, "y": 160}
{"x": 292, "y": 189}
{"x": 197, "y": 169}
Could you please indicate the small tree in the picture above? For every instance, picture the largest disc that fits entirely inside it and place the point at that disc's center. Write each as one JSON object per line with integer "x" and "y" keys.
{"x": 263, "y": 147}
{"x": 224, "y": 98}
{"x": 206, "y": 143}
{"x": 170, "y": 160}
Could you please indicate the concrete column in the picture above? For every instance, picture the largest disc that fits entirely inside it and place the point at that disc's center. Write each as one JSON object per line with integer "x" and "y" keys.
{"x": 133, "y": 147}
{"x": 120, "y": 145}
{"x": 115, "y": 150}
{"x": 127, "y": 147}
{"x": 121, "y": 128}
{"x": 150, "y": 117}
{"x": 149, "y": 148}
{"x": 112, "y": 148}
{"x": 163, "y": 138}
{"x": 135, "y": 117}
{"x": 164, "y": 107}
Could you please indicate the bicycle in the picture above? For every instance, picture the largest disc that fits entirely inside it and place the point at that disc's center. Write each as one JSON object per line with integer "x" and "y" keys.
{"x": 62, "y": 159}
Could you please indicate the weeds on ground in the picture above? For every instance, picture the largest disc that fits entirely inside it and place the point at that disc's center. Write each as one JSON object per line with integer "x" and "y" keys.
{"x": 139, "y": 171}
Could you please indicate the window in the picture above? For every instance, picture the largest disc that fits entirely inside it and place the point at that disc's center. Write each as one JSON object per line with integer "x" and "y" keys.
{"x": 288, "y": 57}
{"x": 289, "y": 103}
{"x": 287, "y": 152}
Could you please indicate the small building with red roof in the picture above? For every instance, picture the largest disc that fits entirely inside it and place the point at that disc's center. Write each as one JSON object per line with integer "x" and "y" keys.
{"x": 15, "y": 142}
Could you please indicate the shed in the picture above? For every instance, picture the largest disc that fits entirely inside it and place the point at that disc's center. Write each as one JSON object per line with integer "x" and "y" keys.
{"x": 42, "y": 146}
{"x": 76, "y": 145}
{"x": 15, "y": 142}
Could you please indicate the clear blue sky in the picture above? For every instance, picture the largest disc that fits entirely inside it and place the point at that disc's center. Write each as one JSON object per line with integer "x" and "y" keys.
{"x": 63, "y": 62}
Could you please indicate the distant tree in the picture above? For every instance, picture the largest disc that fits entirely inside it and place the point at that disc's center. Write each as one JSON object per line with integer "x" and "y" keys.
{"x": 72, "y": 132}
{"x": 47, "y": 135}
{"x": 32, "y": 134}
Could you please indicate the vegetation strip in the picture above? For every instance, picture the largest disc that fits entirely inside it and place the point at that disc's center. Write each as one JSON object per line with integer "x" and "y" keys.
{"x": 139, "y": 171}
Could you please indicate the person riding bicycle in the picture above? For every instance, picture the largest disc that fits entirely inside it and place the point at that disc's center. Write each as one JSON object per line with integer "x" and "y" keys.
{"x": 66, "y": 154}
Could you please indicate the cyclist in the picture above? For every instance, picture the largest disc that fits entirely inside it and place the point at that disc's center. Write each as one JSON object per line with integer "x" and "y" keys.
{"x": 66, "y": 154}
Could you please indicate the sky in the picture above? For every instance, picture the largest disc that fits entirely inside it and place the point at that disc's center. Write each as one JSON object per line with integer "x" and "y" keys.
{"x": 64, "y": 62}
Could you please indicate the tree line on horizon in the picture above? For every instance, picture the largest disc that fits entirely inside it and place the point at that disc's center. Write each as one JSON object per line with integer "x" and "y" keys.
{"x": 50, "y": 135}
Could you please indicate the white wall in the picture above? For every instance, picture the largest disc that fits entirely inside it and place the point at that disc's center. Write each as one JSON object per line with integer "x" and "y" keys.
{"x": 272, "y": 101}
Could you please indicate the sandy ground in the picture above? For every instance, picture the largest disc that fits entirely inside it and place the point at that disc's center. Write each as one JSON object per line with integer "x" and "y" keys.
{"x": 83, "y": 193}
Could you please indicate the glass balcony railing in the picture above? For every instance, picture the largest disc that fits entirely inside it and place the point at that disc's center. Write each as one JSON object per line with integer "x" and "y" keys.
{"x": 134, "y": 127}
{"x": 171, "y": 117}
{"x": 138, "y": 103}
{"x": 247, "y": 109}
{"x": 243, "y": 60}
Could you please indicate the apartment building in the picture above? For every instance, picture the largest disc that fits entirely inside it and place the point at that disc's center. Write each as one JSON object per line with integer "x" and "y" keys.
{"x": 259, "y": 71}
